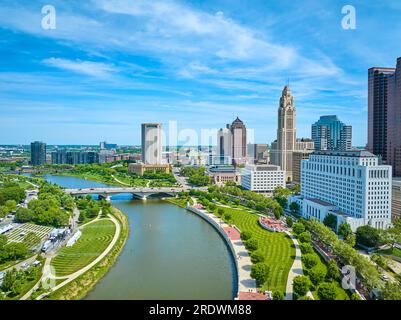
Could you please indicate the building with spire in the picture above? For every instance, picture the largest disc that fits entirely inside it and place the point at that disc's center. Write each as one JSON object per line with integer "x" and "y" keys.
{"x": 231, "y": 143}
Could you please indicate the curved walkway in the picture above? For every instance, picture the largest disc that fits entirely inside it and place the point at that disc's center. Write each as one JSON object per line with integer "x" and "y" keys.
{"x": 76, "y": 274}
{"x": 246, "y": 284}
{"x": 296, "y": 270}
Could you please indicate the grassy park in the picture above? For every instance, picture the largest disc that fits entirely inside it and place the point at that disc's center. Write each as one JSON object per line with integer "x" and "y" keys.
{"x": 277, "y": 247}
{"x": 94, "y": 240}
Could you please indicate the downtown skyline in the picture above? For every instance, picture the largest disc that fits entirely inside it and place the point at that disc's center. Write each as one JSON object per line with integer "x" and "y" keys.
{"x": 138, "y": 62}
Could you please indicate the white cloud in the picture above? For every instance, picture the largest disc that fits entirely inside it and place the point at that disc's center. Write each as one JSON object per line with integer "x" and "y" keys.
{"x": 95, "y": 69}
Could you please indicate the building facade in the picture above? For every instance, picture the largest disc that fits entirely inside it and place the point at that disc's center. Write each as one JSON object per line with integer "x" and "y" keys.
{"x": 297, "y": 158}
{"x": 329, "y": 133}
{"x": 396, "y": 199}
{"x": 224, "y": 146}
{"x": 38, "y": 153}
{"x": 262, "y": 178}
{"x": 152, "y": 143}
{"x": 384, "y": 111}
{"x": 258, "y": 153}
{"x": 141, "y": 168}
{"x": 349, "y": 184}
{"x": 74, "y": 157}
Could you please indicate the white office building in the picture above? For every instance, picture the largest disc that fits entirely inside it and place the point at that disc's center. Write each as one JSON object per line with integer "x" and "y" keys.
{"x": 262, "y": 178}
{"x": 349, "y": 184}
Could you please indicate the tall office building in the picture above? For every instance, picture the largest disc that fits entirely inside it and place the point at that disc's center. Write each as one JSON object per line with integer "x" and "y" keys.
{"x": 351, "y": 185}
{"x": 394, "y": 121}
{"x": 238, "y": 134}
{"x": 329, "y": 133}
{"x": 38, "y": 153}
{"x": 231, "y": 143}
{"x": 396, "y": 199}
{"x": 224, "y": 146}
{"x": 258, "y": 153}
{"x": 297, "y": 158}
{"x": 152, "y": 143}
{"x": 384, "y": 126}
{"x": 285, "y": 144}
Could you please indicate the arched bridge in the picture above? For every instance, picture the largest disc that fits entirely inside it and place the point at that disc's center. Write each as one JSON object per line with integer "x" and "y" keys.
{"x": 141, "y": 193}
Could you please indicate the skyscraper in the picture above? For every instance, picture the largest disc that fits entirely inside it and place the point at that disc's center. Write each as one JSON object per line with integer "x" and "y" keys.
{"x": 283, "y": 148}
{"x": 394, "y": 121}
{"x": 238, "y": 133}
{"x": 224, "y": 146}
{"x": 152, "y": 143}
{"x": 38, "y": 153}
{"x": 384, "y": 110}
{"x": 329, "y": 133}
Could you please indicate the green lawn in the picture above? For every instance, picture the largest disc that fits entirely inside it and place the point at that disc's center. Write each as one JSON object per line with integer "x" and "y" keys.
{"x": 94, "y": 240}
{"x": 277, "y": 247}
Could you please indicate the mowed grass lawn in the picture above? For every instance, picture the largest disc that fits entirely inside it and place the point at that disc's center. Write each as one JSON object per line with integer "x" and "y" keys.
{"x": 94, "y": 240}
{"x": 278, "y": 248}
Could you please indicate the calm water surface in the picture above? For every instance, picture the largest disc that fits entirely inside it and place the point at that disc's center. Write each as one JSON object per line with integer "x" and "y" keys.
{"x": 170, "y": 253}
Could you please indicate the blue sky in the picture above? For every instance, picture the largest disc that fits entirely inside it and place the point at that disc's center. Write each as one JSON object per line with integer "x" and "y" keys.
{"x": 112, "y": 64}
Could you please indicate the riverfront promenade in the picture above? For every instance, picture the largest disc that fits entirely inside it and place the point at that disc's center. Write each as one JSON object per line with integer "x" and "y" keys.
{"x": 247, "y": 289}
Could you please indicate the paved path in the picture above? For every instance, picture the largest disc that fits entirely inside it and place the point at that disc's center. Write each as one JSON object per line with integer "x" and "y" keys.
{"x": 18, "y": 265}
{"x": 119, "y": 181}
{"x": 47, "y": 270}
{"x": 296, "y": 269}
{"x": 245, "y": 282}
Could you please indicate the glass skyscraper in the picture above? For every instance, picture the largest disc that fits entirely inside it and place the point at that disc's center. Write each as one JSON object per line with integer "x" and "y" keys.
{"x": 329, "y": 133}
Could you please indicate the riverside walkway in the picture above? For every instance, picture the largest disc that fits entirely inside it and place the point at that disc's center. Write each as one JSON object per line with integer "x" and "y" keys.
{"x": 247, "y": 289}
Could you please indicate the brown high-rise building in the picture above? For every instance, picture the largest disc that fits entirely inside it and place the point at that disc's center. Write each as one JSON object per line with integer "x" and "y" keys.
{"x": 384, "y": 113}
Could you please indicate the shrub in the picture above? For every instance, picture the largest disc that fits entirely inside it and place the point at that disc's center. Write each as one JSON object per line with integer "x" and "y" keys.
{"x": 260, "y": 272}
{"x": 306, "y": 248}
{"x": 252, "y": 244}
{"x": 257, "y": 257}
{"x": 289, "y": 222}
{"x": 327, "y": 291}
{"x": 298, "y": 228}
{"x": 246, "y": 235}
{"x": 220, "y": 211}
{"x": 301, "y": 285}
{"x": 317, "y": 274}
{"x": 333, "y": 273}
{"x": 310, "y": 260}
{"x": 278, "y": 295}
{"x": 305, "y": 237}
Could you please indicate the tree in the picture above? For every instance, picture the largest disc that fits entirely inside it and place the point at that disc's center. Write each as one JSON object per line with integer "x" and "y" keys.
{"x": 278, "y": 211}
{"x": 8, "y": 280}
{"x": 305, "y": 237}
{"x": 260, "y": 272}
{"x": 368, "y": 236}
{"x": 252, "y": 244}
{"x": 227, "y": 216}
{"x": 246, "y": 235}
{"x": 257, "y": 256}
{"x": 310, "y": 260}
{"x": 260, "y": 206}
{"x": 344, "y": 230}
{"x": 278, "y": 295}
{"x": 289, "y": 222}
{"x": 298, "y": 228}
{"x": 317, "y": 274}
{"x": 294, "y": 207}
{"x": 306, "y": 248}
{"x": 220, "y": 211}
{"x": 355, "y": 296}
{"x": 330, "y": 221}
{"x": 391, "y": 291}
{"x": 351, "y": 240}
{"x": 301, "y": 285}
{"x": 11, "y": 205}
{"x": 327, "y": 291}
{"x": 333, "y": 273}
{"x": 250, "y": 204}
{"x": 16, "y": 250}
{"x": 3, "y": 211}
{"x": 23, "y": 215}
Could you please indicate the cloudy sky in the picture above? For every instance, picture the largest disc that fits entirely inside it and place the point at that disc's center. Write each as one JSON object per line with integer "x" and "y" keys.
{"x": 112, "y": 64}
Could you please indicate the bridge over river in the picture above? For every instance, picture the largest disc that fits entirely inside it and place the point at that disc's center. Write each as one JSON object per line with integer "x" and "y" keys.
{"x": 137, "y": 192}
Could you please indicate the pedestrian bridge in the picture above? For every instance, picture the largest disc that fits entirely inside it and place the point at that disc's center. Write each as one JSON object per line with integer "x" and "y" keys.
{"x": 137, "y": 192}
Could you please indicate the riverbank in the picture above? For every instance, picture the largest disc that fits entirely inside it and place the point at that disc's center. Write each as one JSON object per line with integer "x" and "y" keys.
{"x": 82, "y": 285}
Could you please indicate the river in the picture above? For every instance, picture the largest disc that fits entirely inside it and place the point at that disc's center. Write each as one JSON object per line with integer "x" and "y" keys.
{"x": 170, "y": 253}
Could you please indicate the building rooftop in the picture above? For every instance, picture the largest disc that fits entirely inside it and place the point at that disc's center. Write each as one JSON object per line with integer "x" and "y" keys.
{"x": 322, "y": 203}
{"x": 349, "y": 153}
